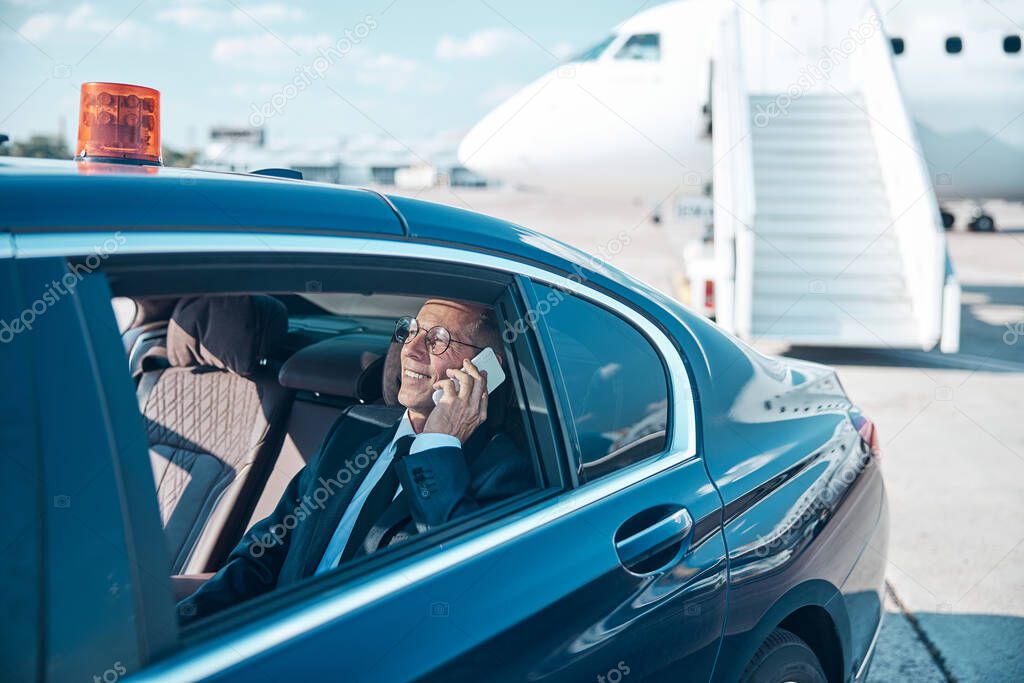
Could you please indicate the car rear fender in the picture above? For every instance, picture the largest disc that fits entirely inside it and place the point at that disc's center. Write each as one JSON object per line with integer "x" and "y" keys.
{"x": 738, "y": 649}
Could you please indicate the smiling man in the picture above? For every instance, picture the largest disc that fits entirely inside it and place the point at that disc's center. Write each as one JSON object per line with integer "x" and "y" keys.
{"x": 371, "y": 486}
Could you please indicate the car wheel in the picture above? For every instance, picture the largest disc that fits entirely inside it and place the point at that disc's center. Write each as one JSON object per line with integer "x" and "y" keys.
{"x": 784, "y": 658}
{"x": 982, "y": 223}
{"x": 948, "y": 220}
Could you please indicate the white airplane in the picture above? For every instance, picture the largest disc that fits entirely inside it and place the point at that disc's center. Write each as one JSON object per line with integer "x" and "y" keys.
{"x": 629, "y": 117}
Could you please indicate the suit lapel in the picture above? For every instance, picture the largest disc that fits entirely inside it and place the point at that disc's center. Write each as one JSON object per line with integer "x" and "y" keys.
{"x": 327, "y": 520}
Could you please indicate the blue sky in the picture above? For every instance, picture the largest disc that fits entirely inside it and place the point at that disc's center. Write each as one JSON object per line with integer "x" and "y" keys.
{"x": 413, "y": 70}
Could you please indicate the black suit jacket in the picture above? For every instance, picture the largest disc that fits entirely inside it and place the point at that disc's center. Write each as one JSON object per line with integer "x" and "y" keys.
{"x": 438, "y": 485}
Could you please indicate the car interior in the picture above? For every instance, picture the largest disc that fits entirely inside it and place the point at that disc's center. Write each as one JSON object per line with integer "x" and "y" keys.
{"x": 238, "y": 391}
{"x": 242, "y": 363}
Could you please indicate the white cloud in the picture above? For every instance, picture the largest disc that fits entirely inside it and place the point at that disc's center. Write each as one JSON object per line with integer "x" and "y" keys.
{"x": 198, "y": 18}
{"x": 84, "y": 19}
{"x": 258, "y": 51}
{"x": 381, "y": 70}
{"x": 191, "y": 17}
{"x": 385, "y": 64}
{"x": 267, "y": 13}
{"x": 39, "y": 26}
{"x": 563, "y": 50}
{"x": 478, "y": 45}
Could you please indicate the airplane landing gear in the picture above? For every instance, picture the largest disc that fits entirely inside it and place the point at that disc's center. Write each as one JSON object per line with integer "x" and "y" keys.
{"x": 948, "y": 219}
{"x": 982, "y": 223}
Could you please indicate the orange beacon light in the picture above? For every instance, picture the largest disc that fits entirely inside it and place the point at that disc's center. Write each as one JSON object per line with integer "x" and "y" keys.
{"x": 119, "y": 122}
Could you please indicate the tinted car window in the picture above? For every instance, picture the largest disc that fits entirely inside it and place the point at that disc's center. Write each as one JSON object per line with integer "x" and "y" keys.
{"x": 614, "y": 381}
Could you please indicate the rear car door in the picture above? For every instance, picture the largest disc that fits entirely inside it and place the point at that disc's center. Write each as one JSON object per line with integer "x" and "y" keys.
{"x": 92, "y": 599}
{"x": 622, "y": 575}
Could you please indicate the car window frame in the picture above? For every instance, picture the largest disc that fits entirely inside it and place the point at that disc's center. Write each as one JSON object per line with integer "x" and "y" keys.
{"x": 215, "y": 655}
{"x": 544, "y": 443}
{"x": 21, "y": 598}
{"x": 78, "y": 326}
{"x": 573, "y": 449}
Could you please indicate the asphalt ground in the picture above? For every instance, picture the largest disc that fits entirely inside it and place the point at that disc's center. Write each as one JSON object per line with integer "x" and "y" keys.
{"x": 952, "y": 430}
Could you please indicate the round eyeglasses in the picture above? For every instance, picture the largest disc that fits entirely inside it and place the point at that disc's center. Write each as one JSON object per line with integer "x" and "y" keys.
{"x": 438, "y": 338}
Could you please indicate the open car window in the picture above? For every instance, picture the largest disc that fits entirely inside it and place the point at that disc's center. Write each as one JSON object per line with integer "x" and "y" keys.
{"x": 267, "y": 416}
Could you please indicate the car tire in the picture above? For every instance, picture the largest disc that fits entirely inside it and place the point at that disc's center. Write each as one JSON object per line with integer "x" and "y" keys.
{"x": 784, "y": 658}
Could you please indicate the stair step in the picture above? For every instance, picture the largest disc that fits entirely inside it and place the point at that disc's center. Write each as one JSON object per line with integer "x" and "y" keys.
{"x": 807, "y": 101}
{"x": 776, "y": 160}
{"x": 768, "y": 117}
{"x": 851, "y": 148}
{"x": 772, "y": 256}
{"x": 888, "y": 288}
{"x": 821, "y": 193}
{"x": 775, "y": 224}
{"x": 782, "y": 207}
{"x": 804, "y": 271}
{"x": 824, "y": 307}
{"x": 772, "y": 259}
{"x": 779, "y": 171}
{"x": 847, "y": 128}
{"x": 841, "y": 333}
{"x": 827, "y": 243}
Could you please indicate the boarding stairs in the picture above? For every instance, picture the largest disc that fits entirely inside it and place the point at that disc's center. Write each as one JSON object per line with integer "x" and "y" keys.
{"x": 834, "y": 236}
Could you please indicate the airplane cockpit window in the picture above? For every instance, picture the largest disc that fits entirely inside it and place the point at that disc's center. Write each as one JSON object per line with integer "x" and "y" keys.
{"x": 954, "y": 45}
{"x": 643, "y": 47}
{"x": 592, "y": 53}
{"x": 1011, "y": 45}
{"x": 898, "y": 46}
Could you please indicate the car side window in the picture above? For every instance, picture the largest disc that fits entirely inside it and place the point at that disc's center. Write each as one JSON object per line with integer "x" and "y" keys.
{"x": 614, "y": 382}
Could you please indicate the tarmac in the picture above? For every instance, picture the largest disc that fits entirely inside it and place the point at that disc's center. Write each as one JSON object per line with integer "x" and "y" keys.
{"x": 952, "y": 430}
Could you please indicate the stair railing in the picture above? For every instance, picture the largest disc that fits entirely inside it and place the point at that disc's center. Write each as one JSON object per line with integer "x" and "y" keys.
{"x": 733, "y": 178}
{"x": 913, "y": 208}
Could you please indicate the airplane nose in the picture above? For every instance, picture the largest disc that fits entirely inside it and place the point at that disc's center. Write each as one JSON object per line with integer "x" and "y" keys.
{"x": 491, "y": 150}
{"x": 499, "y": 146}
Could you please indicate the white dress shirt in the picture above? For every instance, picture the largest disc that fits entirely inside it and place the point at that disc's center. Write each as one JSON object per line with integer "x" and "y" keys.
{"x": 341, "y": 535}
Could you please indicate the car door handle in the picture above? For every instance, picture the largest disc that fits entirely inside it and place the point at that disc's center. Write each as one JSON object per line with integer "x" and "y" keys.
{"x": 669, "y": 529}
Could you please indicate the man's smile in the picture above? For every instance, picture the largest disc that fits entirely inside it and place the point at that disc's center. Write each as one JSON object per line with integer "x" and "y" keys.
{"x": 414, "y": 375}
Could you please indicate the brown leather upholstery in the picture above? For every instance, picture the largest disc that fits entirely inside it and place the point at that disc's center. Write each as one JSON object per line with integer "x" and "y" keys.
{"x": 348, "y": 365}
{"x": 214, "y": 433}
{"x": 309, "y": 421}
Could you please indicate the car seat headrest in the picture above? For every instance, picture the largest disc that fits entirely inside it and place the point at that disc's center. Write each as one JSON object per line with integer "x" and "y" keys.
{"x": 349, "y": 366}
{"x": 231, "y": 332}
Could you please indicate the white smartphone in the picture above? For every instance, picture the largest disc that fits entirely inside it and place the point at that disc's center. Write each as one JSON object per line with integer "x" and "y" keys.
{"x": 485, "y": 360}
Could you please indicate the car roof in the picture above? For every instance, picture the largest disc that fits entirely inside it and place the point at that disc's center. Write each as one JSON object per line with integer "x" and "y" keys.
{"x": 68, "y": 196}
{"x": 44, "y": 195}
{"x": 55, "y": 196}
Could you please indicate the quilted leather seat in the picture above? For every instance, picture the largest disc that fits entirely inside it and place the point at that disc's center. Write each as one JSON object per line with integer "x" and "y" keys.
{"x": 215, "y": 421}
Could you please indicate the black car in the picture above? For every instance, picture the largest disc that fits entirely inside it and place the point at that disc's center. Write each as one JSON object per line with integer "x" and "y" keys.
{"x": 701, "y": 511}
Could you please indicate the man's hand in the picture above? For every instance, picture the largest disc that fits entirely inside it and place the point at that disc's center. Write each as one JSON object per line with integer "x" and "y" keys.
{"x": 459, "y": 413}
